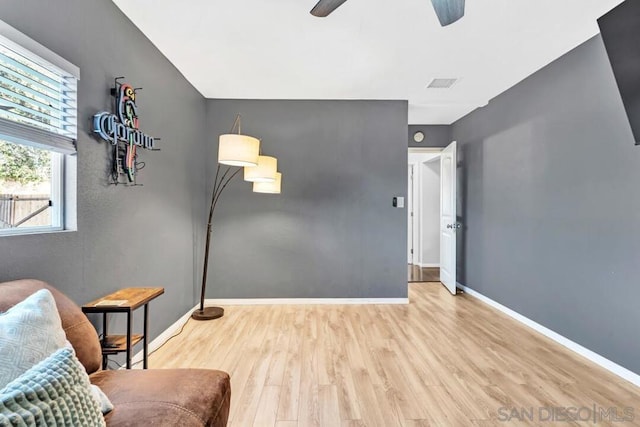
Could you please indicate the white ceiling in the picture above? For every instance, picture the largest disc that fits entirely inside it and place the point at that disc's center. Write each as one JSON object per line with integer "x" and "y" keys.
{"x": 367, "y": 49}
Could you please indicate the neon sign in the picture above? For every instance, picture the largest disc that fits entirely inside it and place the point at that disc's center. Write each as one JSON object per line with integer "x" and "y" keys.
{"x": 122, "y": 131}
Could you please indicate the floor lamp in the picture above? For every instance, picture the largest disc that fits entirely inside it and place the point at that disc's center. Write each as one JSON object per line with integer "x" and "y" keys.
{"x": 236, "y": 152}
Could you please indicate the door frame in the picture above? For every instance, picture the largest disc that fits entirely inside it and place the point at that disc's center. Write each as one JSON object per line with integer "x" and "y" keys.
{"x": 411, "y": 223}
{"x": 418, "y": 226}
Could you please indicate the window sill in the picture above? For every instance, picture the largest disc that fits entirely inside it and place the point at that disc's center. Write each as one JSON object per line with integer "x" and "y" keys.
{"x": 33, "y": 231}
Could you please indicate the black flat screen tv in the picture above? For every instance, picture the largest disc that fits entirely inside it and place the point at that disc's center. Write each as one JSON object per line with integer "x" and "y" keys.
{"x": 620, "y": 30}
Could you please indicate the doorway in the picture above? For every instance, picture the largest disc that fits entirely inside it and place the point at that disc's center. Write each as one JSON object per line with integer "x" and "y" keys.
{"x": 423, "y": 215}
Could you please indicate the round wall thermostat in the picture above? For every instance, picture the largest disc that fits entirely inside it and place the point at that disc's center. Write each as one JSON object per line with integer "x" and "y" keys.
{"x": 418, "y": 136}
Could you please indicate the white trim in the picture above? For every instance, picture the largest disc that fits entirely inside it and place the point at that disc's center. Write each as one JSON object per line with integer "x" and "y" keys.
{"x": 163, "y": 337}
{"x": 429, "y": 265}
{"x": 414, "y": 251}
{"x": 57, "y": 190}
{"x": 607, "y": 364}
{"x": 19, "y": 231}
{"x": 307, "y": 301}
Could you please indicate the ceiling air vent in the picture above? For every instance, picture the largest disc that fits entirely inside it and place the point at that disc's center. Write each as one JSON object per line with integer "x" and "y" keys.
{"x": 441, "y": 83}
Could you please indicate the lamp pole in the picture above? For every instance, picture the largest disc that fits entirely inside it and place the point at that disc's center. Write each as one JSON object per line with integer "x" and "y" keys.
{"x": 220, "y": 183}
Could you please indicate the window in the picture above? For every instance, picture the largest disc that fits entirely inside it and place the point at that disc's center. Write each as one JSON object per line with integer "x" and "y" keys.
{"x": 38, "y": 131}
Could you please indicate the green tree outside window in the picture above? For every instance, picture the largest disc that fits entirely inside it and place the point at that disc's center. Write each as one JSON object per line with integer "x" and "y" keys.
{"x": 19, "y": 163}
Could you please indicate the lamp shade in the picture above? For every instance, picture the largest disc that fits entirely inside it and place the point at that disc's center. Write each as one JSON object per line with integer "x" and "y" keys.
{"x": 264, "y": 172}
{"x": 274, "y": 187}
{"x": 238, "y": 150}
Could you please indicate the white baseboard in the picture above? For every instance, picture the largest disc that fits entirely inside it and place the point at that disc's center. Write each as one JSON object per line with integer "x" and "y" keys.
{"x": 607, "y": 364}
{"x": 163, "y": 337}
{"x": 429, "y": 265}
{"x": 307, "y": 301}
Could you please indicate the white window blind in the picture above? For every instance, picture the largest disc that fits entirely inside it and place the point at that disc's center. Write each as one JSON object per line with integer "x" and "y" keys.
{"x": 38, "y": 100}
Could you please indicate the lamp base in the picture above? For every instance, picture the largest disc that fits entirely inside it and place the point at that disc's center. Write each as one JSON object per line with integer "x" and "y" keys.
{"x": 209, "y": 313}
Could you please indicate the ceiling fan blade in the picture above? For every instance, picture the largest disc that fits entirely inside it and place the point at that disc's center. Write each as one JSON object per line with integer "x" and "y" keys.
{"x": 448, "y": 11}
{"x": 325, "y": 7}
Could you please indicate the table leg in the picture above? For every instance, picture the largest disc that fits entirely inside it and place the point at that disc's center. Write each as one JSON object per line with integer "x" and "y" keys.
{"x": 145, "y": 353}
{"x": 105, "y": 323}
{"x": 129, "y": 313}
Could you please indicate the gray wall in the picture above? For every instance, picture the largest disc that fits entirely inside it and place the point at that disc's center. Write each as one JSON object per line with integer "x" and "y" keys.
{"x": 550, "y": 195}
{"x": 435, "y": 135}
{"x": 333, "y": 231}
{"x": 141, "y": 236}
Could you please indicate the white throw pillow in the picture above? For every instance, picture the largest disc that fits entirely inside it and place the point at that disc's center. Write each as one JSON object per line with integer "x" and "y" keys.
{"x": 30, "y": 331}
{"x": 105, "y": 404}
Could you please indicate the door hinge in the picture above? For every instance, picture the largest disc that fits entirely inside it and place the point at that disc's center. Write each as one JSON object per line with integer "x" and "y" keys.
{"x": 411, "y": 251}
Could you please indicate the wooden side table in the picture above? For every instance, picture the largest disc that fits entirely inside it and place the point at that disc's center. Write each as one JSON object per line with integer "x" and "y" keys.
{"x": 124, "y": 301}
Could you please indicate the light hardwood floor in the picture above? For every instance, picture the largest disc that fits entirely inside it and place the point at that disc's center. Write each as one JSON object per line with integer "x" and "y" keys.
{"x": 441, "y": 360}
{"x": 423, "y": 274}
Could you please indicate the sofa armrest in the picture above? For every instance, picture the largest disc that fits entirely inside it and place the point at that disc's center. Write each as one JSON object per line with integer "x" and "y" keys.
{"x": 166, "y": 397}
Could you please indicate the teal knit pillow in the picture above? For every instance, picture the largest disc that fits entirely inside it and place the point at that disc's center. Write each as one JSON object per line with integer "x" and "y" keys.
{"x": 55, "y": 392}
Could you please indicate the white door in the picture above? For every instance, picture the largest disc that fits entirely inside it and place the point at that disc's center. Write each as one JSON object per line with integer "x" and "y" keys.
{"x": 410, "y": 216}
{"x": 448, "y": 222}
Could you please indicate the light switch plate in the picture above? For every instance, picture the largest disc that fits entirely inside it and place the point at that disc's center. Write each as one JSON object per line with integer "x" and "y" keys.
{"x": 398, "y": 202}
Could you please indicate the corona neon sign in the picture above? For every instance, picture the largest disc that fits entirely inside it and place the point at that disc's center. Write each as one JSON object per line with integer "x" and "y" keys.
{"x": 122, "y": 131}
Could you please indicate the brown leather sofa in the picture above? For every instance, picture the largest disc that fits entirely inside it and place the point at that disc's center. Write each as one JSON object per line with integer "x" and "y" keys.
{"x": 160, "y": 397}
